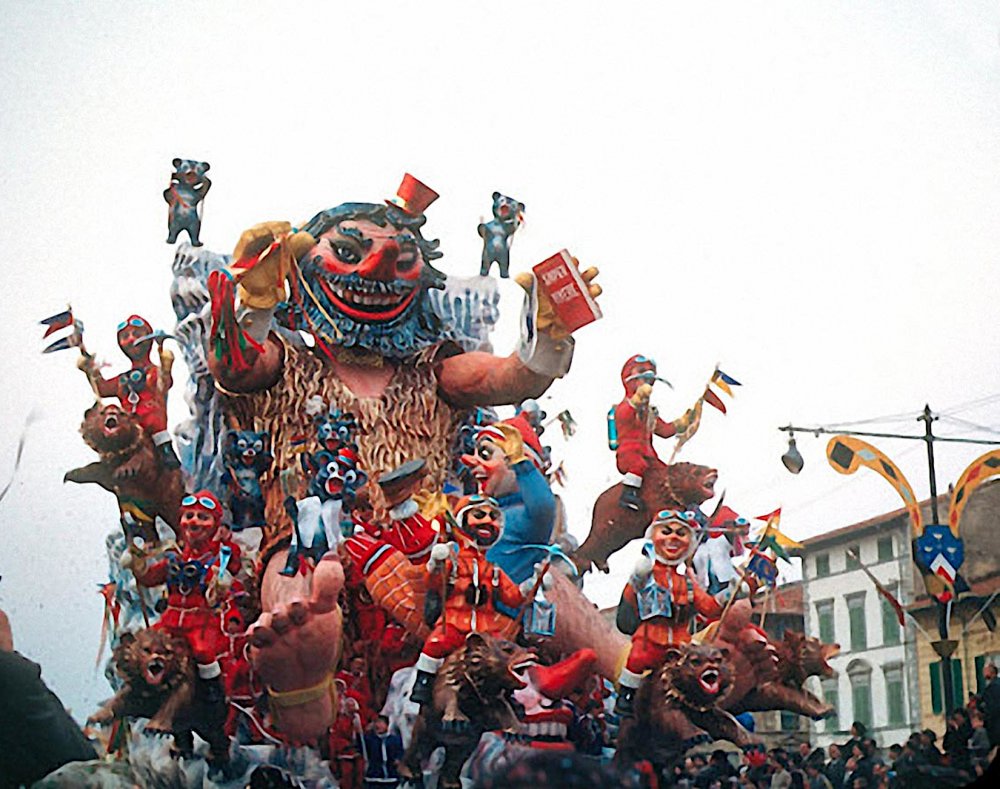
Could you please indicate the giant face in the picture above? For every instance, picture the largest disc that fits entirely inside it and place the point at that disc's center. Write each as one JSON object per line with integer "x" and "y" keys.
{"x": 364, "y": 283}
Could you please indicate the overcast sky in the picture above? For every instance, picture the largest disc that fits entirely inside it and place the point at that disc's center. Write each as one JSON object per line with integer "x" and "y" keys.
{"x": 806, "y": 193}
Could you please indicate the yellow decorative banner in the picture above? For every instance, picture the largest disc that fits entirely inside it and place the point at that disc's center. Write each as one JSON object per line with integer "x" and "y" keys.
{"x": 847, "y": 454}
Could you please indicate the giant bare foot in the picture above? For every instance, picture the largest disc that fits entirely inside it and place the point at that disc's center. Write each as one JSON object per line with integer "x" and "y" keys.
{"x": 295, "y": 645}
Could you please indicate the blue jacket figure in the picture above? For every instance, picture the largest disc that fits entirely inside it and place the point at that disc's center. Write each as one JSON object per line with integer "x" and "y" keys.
{"x": 382, "y": 752}
{"x": 503, "y": 471}
{"x": 499, "y": 232}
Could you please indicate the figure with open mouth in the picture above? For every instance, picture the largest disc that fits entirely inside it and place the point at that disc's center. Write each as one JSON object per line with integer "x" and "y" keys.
{"x": 659, "y": 604}
{"x": 504, "y": 470}
{"x": 473, "y": 588}
{"x": 340, "y": 308}
{"x": 201, "y": 582}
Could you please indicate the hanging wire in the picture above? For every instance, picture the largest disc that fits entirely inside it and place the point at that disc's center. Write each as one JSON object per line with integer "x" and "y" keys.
{"x": 904, "y": 416}
{"x": 967, "y": 424}
{"x": 971, "y": 404}
{"x": 853, "y": 478}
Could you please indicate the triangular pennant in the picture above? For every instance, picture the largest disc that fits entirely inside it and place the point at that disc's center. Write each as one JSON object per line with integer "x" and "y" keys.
{"x": 713, "y": 400}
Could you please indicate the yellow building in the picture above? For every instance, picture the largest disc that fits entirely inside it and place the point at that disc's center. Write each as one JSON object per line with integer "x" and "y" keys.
{"x": 972, "y": 624}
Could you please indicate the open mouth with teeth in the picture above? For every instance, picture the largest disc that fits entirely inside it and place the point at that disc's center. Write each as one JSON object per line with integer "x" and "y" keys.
{"x": 518, "y": 671}
{"x": 154, "y": 671}
{"x": 369, "y": 300}
{"x": 709, "y": 681}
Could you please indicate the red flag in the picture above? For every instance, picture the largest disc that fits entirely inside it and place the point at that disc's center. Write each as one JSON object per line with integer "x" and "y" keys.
{"x": 890, "y": 598}
{"x": 713, "y": 400}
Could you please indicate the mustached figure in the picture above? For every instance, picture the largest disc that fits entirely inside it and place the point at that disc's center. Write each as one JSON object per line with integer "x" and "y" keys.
{"x": 247, "y": 456}
{"x": 319, "y": 519}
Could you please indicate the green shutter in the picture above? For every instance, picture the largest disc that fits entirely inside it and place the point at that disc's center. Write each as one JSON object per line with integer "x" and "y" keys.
{"x": 894, "y": 691}
{"x": 861, "y": 697}
{"x": 859, "y": 638}
{"x": 826, "y": 626}
{"x": 980, "y": 665}
{"x": 935, "y": 669}
{"x": 890, "y": 624}
{"x": 958, "y": 688}
{"x": 832, "y": 697}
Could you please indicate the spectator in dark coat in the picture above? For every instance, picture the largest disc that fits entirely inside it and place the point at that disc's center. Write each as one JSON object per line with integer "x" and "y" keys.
{"x": 991, "y": 703}
{"x": 37, "y": 735}
{"x": 835, "y": 769}
{"x": 928, "y": 747}
{"x": 979, "y": 740}
{"x": 383, "y": 751}
{"x": 956, "y": 739}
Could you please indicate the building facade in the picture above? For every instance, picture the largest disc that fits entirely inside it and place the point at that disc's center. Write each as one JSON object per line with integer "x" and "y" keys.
{"x": 778, "y": 611}
{"x": 973, "y": 617}
{"x": 876, "y": 671}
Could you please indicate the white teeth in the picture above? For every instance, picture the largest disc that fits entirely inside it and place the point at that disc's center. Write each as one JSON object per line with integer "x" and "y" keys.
{"x": 367, "y": 299}
{"x": 546, "y": 729}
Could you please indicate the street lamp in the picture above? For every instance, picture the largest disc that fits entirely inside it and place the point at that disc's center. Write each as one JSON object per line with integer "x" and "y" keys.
{"x": 793, "y": 461}
{"x": 792, "y": 458}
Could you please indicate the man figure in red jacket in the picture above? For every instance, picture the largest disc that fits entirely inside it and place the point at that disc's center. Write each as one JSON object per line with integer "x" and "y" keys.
{"x": 635, "y": 422}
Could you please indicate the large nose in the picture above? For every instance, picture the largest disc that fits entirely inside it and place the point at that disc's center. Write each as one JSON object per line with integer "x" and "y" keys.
{"x": 381, "y": 264}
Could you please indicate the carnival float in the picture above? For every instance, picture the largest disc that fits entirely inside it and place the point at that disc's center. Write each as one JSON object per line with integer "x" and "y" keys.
{"x": 345, "y": 529}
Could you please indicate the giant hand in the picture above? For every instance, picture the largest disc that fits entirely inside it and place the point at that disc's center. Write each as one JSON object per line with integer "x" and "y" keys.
{"x": 295, "y": 646}
{"x": 262, "y": 260}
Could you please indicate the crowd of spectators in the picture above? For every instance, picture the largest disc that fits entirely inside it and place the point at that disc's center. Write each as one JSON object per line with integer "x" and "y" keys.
{"x": 962, "y": 757}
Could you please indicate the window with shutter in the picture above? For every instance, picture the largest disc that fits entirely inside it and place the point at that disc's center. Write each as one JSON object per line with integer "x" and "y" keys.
{"x": 856, "y": 617}
{"x": 824, "y": 616}
{"x": 831, "y": 696}
{"x": 890, "y": 622}
{"x": 895, "y": 698}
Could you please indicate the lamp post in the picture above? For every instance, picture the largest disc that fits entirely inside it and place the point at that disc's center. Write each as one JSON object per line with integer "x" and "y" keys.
{"x": 793, "y": 461}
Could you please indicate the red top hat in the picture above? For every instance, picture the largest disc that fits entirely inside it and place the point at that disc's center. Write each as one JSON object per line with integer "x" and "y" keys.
{"x": 559, "y": 680}
{"x": 413, "y": 197}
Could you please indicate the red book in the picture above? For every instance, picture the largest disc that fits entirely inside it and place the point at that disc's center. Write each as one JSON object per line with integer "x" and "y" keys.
{"x": 567, "y": 291}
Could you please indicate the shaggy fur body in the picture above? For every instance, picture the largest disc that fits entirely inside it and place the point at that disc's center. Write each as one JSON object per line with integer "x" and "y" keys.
{"x": 130, "y": 468}
{"x": 409, "y": 420}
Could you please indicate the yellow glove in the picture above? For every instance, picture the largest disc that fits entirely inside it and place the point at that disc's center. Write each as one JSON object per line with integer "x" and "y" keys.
{"x": 262, "y": 285}
{"x": 546, "y": 320}
{"x": 512, "y": 443}
{"x": 641, "y": 396}
{"x": 682, "y": 423}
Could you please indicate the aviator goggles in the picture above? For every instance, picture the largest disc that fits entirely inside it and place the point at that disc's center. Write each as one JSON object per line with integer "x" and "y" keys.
{"x": 204, "y": 501}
